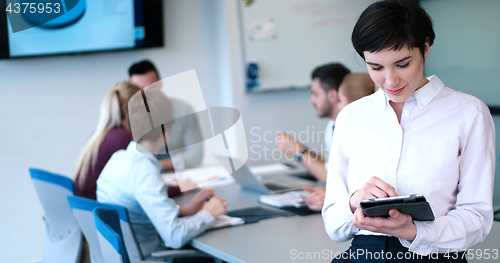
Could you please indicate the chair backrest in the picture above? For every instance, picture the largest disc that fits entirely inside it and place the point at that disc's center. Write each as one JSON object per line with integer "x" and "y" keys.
{"x": 83, "y": 210}
{"x": 64, "y": 238}
{"x": 52, "y": 190}
{"x": 110, "y": 236}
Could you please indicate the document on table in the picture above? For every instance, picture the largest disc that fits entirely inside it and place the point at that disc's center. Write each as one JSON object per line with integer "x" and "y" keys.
{"x": 216, "y": 176}
{"x": 271, "y": 168}
{"x": 225, "y": 220}
{"x": 295, "y": 198}
{"x": 212, "y": 176}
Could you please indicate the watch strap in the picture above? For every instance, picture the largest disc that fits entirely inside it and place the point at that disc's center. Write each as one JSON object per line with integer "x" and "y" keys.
{"x": 300, "y": 154}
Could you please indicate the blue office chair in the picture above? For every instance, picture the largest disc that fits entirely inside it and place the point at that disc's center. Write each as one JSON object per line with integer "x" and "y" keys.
{"x": 109, "y": 234}
{"x": 83, "y": 210}
{"x": 114, "y": 250}
{"x": 64, "y": 240}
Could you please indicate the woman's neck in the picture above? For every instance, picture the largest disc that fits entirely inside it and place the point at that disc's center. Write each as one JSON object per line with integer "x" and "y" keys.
{"x": 422, "y": 82}
{"x": 125, "y": 124}
{"x": 398, "y": 108}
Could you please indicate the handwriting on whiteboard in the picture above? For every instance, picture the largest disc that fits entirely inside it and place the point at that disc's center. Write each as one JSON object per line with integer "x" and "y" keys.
{"x": 320, "y": 14}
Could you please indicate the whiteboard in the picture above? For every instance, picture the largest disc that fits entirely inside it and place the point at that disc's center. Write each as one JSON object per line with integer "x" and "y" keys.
{"x": 287, "y": 39}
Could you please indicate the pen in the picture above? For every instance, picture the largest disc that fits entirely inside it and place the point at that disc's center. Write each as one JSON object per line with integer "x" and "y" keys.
{"x": 208, "y": 197}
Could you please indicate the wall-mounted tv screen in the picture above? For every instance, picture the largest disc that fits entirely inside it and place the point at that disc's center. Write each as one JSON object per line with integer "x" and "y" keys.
{"x": 81, "y": 26}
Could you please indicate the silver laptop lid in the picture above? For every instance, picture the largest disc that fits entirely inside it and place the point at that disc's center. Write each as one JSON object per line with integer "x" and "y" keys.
{"x": 243, "y": 176}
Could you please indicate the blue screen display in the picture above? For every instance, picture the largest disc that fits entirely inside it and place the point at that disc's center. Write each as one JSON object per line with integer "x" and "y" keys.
{"x": 89, "y": 26}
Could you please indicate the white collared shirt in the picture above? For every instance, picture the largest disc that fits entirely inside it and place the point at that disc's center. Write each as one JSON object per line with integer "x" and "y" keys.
{"x": 444, "y": 149}
{"x": 328, "y": 141}
{"x": 132, "y": 179}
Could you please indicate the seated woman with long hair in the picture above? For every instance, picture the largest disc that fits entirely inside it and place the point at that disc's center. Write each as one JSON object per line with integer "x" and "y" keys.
{"x": 111, "y": 134}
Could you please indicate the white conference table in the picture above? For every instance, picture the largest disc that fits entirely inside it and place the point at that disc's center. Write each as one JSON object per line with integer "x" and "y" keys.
{"x": 286, "y": 239}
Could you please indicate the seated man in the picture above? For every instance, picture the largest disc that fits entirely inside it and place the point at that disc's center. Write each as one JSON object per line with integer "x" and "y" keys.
{"x": 185, "y": 133}
{"x": 353, "y": 87}
{"x": 132, "y": 179}
{"x": 324, "y": 98}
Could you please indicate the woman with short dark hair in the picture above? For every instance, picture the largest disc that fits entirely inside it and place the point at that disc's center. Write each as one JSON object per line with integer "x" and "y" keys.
{"x": 413, "y": 136}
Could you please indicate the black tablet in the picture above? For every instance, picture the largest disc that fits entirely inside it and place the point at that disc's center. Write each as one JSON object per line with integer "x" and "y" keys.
{"x": 414, "y": 205}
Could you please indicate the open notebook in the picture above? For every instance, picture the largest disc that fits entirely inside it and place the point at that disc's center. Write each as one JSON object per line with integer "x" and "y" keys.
{"x": 225, "y": 220}
{"x": 292, "y": 202}
{"x": 294, "y": 198}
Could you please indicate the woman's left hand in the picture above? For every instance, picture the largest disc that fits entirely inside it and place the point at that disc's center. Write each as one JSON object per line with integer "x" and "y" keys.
{"x": 397, "y": 225}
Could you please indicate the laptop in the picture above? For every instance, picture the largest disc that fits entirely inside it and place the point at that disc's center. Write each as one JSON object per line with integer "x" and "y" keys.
{"x": 285, "y": 183}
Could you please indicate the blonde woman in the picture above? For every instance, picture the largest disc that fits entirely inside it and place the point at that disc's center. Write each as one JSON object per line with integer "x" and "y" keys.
{"x": 353, "y": 87}
{"x": 111, "y": 134}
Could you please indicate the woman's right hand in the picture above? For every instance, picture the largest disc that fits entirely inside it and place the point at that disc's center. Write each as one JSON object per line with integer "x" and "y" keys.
{"x": 215, "y": 206}
{"x": 374, "y": 188}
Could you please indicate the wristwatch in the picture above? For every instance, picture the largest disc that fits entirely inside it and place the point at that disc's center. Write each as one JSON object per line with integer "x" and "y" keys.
{"x": 299, "y": 155}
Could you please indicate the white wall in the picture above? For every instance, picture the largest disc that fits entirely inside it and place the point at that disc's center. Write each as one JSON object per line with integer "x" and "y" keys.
{"x": 265, "y": 114}
{"x": 49, "y": 107}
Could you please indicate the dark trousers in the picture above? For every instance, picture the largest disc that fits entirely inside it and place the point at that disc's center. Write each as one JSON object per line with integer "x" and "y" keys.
{"x": 382, "y": 249}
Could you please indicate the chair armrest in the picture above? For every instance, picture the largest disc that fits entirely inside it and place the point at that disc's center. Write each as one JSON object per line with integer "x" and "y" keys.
{"x": 179, "y": 253}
